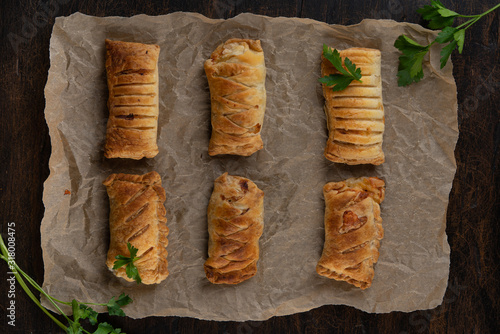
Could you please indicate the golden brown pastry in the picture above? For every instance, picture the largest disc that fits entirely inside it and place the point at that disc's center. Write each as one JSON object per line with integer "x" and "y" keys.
{"x": 353, "y": 230}
{"x": 236, "y": 76}
{"x": 355, "y": 115}
{"x": 137, "y": 216}
{"x": 235, "y": 224}
{"x": 132, "y": 71}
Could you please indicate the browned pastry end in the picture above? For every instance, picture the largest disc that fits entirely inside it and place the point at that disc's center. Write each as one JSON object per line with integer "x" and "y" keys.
{"x": 235, "y": 224}
{"x": 236, "y": 75}
{"x": 137, "y": 216}
{"x": 353, "y": 230}
{"x": 355, "y": 115}
{"x": 132, "y": 72}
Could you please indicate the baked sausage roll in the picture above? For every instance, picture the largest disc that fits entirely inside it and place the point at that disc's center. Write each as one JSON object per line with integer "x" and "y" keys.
{"x": 132, "y": 72}
{"x": 353, "y": 230}
{"x": 137, "y": 216}
{"x": 235, "y": 224}
{"x": 355, "y": 115}
{"x": 236, "y": 76}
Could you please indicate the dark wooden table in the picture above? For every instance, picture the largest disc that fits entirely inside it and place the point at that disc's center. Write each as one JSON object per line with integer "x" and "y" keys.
{"x": 471, "y": 302}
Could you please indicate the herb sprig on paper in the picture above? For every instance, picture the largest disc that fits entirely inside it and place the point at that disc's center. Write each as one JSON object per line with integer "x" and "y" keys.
{"x": 339, "y": 81}
{"x": 439, "y": 17}
{"x": 128, "y": 261}
{"x": 81, "y": 310}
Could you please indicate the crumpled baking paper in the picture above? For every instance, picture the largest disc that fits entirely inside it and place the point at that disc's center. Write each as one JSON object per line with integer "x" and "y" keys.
{"x": 420, "y": 136}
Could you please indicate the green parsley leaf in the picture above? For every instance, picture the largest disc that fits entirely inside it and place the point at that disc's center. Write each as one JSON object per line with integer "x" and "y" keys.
{"x": 445, "y": 12}
{"x": 86, "y": 312}
{"x": 105, "y": 328}
{"x": 410, "y": 62}
{"x": 115, "y": 304}
{"x": 437, "y": 15}
{"x": 82, "y": 311}
{"x": 446, "y": 52}
{"x": 114, "y": 309}
{"x": 351, "y": 67}
{"x": 123, "y": 300}
{"x": 121, "y": 261}
{"x": 130, "y": 268}
{"x": 133, "y": 272}
{"x": 428, "y": 12}
{"x": 339, "y": 81}
{"x": 410, "y": 69}
{"x": 408, "y": 46}
{"x": 74, "y": 328}
{"x": 442, "y": 10}
{"x": 441, "y": 22}
{"x": 333, "y": 57}
{"x": 459, "y": 36}
{"x": 446, "y": 35}
{"x": 133, "y": 251}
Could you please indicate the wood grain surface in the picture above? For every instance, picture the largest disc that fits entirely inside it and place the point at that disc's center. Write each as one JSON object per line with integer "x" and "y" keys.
{"x": 471, "y": 302}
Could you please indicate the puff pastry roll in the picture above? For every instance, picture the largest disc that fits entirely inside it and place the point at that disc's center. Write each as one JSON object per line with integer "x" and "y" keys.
{"x": 353, "y": 230}
{"x": 137, "y": 216}
{"x": 235, "y": 224}
{"x": 355, "y": 115}
{"x": 236, "y": 76}
{"x": 132, "y": 72}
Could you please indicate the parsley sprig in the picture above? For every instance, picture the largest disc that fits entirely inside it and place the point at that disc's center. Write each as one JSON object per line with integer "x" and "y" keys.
{"x": 341, "y": 80}
{"x": 81, "y": 310}
{"x": 128, "y": 261}
{"x": 439, "y": 17}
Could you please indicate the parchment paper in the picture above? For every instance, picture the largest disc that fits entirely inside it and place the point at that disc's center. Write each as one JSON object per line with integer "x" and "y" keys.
{"x": 420, "y": 136}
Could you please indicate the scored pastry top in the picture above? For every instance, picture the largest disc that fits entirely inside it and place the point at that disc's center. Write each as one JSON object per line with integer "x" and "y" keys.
{"x": 355, "y": 115}
{"x": 236, "y": 76}
{"x": 137, "y": 215}
{"x": 235, "y": 224}
{"x": 353, "y": 230}
{"x": 132, "y": 75}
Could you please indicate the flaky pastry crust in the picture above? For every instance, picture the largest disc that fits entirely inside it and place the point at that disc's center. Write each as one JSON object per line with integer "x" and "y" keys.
{"x": 355, "y": 115}
{"x": 236, "y": 76}
{"x": 235, "y": 224}
{"x": 353, "y": 230}
{"x": 132, "y": 72}
{"x": 137, "y": 215}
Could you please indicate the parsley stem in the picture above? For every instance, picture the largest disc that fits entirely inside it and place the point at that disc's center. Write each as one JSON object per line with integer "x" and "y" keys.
{"x": 74, "y": 324}
{"x": 490, "y": 10}
{"x": 21, "y": 282}
{"x": 468, "y": 23}
{"x": 476, "y": 17}
{"x": 473, "y": 21}
{"x": 81, "y": 303}
{"x": 39, "y": 288}
{"x": 36, "y": 286}
{"x": 60, "y": 301}
{"x": 96, "y": 304}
